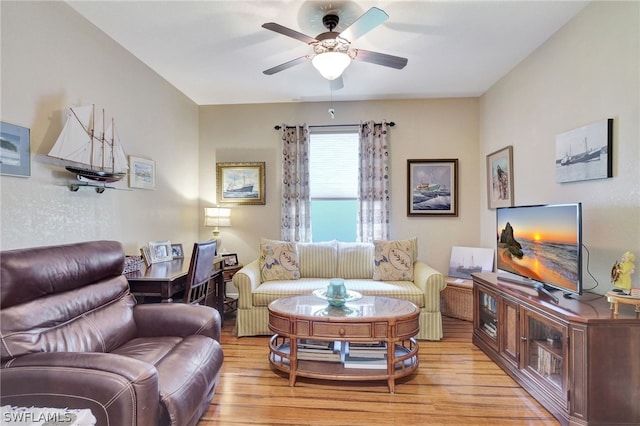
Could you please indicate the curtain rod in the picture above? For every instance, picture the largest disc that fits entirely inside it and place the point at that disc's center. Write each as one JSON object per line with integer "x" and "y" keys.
{"x": 391, "y": 124}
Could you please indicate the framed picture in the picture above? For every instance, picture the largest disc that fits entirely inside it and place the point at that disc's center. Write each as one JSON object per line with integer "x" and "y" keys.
{"x": 500, "y": 178}
{"x": 230, "y": 259}
{"x": 142, "y": 173}
{"x": 464, "y": 261}
{"x": 176, "y": 251}
{"x": 144, "y": 250}
{"x": 585, "y": 153}
{"x": 160, "y": 251}
{"x": 15, "y": 151}
{"x": 432, "y": 187}
{"x": 240, "y": 183}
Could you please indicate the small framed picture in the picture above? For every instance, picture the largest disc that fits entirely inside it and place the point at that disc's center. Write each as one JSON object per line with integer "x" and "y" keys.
{"x": 432, "y": 187}
{"x": 142, "y": 173}
{"x": 160, "y": 251}
{"x": 240, "y": 183}
{"x": 230, "y": 259}
{"x": 585, "y": 153}
{"x": 144, "y": 250}
{"x": 500, "y": 178}
{"x": 15, "y": 154}
{"x": 176, "y": 251}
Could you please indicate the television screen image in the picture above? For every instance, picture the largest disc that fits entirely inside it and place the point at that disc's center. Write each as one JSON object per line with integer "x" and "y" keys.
{"x": 541, "y": 243}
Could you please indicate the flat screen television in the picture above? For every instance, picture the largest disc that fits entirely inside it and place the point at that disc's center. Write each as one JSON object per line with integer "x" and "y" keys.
{"x": 541, "y": 246}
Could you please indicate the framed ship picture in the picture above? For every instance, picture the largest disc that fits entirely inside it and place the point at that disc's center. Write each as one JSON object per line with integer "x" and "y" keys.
{"x": 240, "y": 183}
{"x": 432, "y": 187}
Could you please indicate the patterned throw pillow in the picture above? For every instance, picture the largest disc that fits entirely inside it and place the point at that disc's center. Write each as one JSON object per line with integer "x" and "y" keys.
{"x": 393, "y": 260}
{"x": 278, "y": 260}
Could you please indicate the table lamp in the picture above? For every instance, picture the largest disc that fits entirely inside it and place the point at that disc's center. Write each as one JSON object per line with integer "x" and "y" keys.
{"x": 216, "y": 217}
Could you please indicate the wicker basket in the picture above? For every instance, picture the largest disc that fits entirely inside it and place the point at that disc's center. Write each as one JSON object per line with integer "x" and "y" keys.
{"x": 457, "y": 299}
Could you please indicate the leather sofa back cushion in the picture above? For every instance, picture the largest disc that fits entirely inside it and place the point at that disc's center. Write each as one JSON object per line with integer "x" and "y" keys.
{"x": 28, "y": 274}
{"x": 81, "y": 320}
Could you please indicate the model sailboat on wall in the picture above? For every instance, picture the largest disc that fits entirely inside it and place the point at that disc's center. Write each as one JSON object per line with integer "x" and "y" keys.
{"x": 94, "y": 149}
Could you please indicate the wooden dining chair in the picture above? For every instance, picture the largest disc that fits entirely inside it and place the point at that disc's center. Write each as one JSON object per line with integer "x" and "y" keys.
{"x": 199, "y": 275}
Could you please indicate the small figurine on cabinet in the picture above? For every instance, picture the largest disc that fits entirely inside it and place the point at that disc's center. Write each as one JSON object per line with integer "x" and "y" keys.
{"x": 621, "y": 272}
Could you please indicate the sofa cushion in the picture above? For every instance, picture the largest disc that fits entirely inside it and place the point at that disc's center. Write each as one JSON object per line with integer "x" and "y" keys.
{"x": 318, "y": 260}
{"x": 393, "y": 260}
{"x": 355, "y": 260}
{"x": 278, "y": 260}
{"x": 272, "y": 290}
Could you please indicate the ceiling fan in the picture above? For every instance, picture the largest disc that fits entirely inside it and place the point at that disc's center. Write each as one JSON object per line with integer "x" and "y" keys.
{"x": 332, "y": 50}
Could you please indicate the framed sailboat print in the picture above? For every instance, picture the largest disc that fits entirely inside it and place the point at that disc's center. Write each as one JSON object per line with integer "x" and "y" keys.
{"x": 240, "y": 183}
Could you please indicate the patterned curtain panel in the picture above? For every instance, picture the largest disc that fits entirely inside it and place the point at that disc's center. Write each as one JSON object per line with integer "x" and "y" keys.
{"x": 373, "y": 214}
{"x": 295, "y": 208}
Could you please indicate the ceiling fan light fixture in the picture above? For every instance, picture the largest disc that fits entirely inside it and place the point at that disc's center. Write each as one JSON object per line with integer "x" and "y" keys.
{"x": 331, "y": 64}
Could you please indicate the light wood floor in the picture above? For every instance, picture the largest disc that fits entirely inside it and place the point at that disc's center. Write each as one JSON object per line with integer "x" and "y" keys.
{"x": 456, "y": 384}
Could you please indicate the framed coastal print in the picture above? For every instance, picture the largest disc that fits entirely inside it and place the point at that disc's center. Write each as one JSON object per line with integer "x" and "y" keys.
{"x": 432, "y": 187}
{"x": 500, "y": 178}
{"x": 585, "y": 153}
{"x": 142, "y": 173}
{"x": 15, "y": 151}
{"x": 240, "y": 183}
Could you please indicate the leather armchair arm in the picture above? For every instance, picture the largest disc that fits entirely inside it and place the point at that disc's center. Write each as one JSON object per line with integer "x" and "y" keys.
{"x": 176, "y": 319}
{"x": 115, "y": 388}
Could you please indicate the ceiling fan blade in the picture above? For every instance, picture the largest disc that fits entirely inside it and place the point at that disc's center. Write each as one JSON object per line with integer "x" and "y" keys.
{"x": 336, "y": 84}
{"x": 289, "y": 32}
{"x": 286, "y": 65}
{"x": 365, "y": 23}
{"x": 380, "y": 59}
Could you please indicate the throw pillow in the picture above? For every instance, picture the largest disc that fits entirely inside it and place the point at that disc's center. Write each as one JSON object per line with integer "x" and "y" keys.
{"x": 278, "y": 260}
{"x": 393, "y": 260}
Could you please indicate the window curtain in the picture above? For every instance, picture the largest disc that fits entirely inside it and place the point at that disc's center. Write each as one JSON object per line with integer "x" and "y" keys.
{"x": 295, "y": 208}
{"x": 373, "y": 213}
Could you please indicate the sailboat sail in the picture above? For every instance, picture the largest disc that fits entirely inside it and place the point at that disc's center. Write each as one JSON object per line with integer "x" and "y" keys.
{"x": 84, "y": 140}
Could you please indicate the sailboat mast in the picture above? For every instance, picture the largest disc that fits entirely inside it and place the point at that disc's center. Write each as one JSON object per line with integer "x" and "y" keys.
{"x": 91, "y": 133}
{"x": 102, "y": 140}
{"x": 113, "y": 145}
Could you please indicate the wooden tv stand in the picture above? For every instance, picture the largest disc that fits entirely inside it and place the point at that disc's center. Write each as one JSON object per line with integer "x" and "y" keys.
{"x": 575, "y": 357}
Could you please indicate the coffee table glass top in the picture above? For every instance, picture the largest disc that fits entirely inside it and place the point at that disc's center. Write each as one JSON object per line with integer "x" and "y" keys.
{"x": 364, "y": 307}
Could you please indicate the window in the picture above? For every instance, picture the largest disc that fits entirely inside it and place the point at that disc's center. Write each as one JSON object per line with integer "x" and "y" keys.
{"x": 333, "y": 183}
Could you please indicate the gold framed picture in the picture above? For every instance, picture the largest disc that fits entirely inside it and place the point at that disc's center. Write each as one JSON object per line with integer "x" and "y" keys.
{"x": 500, "y": 178}
{"x": 240, "y": 183}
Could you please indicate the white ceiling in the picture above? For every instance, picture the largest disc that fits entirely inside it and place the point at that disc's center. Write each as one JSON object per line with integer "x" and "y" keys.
{"x": 215, "y": 51}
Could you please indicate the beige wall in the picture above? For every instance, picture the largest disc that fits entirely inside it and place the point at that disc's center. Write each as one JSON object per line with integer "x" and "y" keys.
{"x": 586, "y": 72}
{"x": 52, "y": 58}
{"x": 425, "y": 129}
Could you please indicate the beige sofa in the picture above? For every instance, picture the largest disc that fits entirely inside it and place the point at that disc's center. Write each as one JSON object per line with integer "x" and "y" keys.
{"x": 313, "y": 264}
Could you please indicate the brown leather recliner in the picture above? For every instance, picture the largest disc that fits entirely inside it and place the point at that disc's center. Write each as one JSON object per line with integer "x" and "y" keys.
{"x": 73, "y": 336}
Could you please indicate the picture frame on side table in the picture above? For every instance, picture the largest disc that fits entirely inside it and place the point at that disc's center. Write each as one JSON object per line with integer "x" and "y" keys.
{"x": 241, "y": 183}
{"x": 15, "y": 152}
{"x": 177, "y": 252}
{"x": 500, "y": 178}
{"x": 229, "y": 260}
{"x": 432, "y": 187}
{"x": 160, "y": 251}
{"x": 585, "y": 153}
{"x": 142, "y": 173}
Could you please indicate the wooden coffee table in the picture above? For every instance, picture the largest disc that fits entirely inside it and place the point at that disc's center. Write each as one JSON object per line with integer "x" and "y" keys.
{"x": 368, "y": 319}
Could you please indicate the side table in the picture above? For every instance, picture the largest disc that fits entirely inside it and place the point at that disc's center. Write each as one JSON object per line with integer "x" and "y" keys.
{"x": 230, "y": 303}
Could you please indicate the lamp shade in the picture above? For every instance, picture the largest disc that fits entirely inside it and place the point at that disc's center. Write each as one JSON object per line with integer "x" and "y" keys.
{"x": 331, "y": 64}
{"x": 217, "y": 216}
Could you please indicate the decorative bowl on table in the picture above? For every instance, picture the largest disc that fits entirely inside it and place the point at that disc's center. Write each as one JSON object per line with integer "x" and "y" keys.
{"x": 336, "y": 293}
